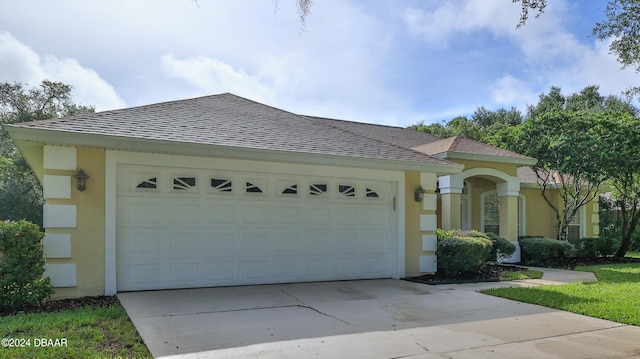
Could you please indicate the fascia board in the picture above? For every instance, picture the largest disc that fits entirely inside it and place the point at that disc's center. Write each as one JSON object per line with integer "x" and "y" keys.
{"x": 486, "y": 158}
{"x": 207, "y": 150}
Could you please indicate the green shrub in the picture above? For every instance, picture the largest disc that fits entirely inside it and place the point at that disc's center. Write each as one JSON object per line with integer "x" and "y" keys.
{"x": 608, "y": 246}
{"x": 501, "y": 249}
{"x": 594, "y": 247}
{"x": 543, "y": 251}
{"x": 462, "y": 254}
{"x": 21, "y": 266}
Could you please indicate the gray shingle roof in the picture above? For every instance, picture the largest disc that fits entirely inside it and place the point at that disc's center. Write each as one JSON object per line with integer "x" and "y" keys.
{"x": 397, "y": 136}
{"x": 465, "y": 145}
{"x": 229, "y": 120}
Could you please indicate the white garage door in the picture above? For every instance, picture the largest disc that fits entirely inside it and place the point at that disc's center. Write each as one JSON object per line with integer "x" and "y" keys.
{"x": 180, "y": 228}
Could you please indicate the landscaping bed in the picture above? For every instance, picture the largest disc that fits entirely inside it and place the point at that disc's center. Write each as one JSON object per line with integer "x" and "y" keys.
{"x": 68, "y": 304}
{"x": 488, "y": 273}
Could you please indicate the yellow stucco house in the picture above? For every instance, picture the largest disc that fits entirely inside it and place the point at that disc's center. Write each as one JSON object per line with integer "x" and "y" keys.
{"x": 221, "y": 190}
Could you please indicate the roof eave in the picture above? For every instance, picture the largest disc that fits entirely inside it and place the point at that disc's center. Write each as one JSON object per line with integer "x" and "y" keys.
{"x": 520, "y": 162}
{"x": 51, "y": 137}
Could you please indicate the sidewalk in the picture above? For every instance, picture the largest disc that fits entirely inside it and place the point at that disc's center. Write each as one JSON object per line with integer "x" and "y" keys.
{"x": 551, "y": 276}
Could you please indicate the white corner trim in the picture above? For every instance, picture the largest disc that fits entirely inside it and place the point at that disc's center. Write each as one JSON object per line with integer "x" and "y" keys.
{"x": 56, "y": 186}
{"x": 61, "y": 275}
{"x": 428, "y": 181}
{"x": 57, "y": 246}
{"x": 60, "y": 216}
{"x": 428, "y": 264}
{"x": 428, "y": 222}
{"x": 429, "y": 201}
{"x": 60, "y": 158}
{"x": 429, "y": 243}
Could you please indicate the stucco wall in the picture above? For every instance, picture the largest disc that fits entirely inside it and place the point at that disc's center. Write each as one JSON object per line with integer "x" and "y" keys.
{"x": 420, "y": 224}
{"x": 87, "y": 237}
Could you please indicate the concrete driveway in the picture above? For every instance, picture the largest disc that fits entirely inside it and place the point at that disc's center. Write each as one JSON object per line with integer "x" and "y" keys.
{"x": 367, "y": 319}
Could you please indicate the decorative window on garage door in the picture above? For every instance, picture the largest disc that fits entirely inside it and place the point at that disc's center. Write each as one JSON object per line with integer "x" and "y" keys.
{"x": 317, "y": 189}
{"x": 221, "y": 185}
{"x": 184, "y": 183}
{"x": 151, "y": 183}
{"x": 253, "y": 188}
{"x": 370, "y": 193}
{"x": 346, "y": 190}
{"x": 291, "y": 190}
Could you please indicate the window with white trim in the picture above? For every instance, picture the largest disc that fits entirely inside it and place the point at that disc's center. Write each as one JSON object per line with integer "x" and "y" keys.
{"x": 491, "y": 213}
{"x": 574, "y": 229}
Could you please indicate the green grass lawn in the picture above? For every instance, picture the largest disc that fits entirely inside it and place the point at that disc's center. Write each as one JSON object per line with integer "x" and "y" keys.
{"x": 616, "y": 295}
{"x": 88, "y": 333}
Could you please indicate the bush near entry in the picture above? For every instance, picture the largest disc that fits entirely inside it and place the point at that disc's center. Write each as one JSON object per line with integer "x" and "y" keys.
{"x": 21, "y": 266}
{"x": 543, "y": 251}
{"x": 462, "y": 251}
{"x": 594, "y": 247}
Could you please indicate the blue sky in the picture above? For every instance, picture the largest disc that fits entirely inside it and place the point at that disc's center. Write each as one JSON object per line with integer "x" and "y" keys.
{"x": 392, "y": 62}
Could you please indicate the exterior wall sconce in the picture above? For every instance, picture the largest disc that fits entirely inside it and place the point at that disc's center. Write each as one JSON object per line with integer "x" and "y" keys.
{"x": 418, "y": 194}
{"x": 81, "y": 176}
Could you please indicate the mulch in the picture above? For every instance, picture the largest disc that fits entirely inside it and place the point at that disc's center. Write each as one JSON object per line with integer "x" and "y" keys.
{"x": 491, "y": 273}
{"x": 68, "y": 304}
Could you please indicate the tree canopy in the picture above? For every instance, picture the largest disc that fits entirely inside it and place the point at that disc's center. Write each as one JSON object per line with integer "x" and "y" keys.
{"x": 581, "y": 141}
{"x": 20, "y": 191}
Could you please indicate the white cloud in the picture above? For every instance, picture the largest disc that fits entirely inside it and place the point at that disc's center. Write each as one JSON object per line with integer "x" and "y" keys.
{"x": 215, "y": 76}
{"x": 545, "y": 53}
{"x": 452, "y": 18}
{"x": 511, "y": 91}
{"x": 19, "y": 63}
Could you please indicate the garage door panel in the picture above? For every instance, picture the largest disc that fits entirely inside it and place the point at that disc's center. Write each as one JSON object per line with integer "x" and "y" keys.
{"x": 321, "y": 241}
{"x": 222, "y": 271}
{"x": 287, "y": 215}
{"x": 255, "y": 270}
{"x": 348, "y": 267}
{"x": 184, "y": 212}
{"x": 289, "y": 232}
{"x": 146, "y": 212}
{"x": 286, "y": 243}
{"x": 374, "y": 266}
{"x": 348, "y": 215}
{"x": 255, "y": 242}
{"x": 374, "y": 241}
{"x": 222, "y": 212}
{"x": 221, "y": 243}
{"x": 348, "y": 241}
{"x": 319, "y": 268}
{"x": 376, "y": 217}
{"x": 185, "y": 244}
{"x": 319, "y": 216}
{"x": 288, "y": 269}
{"x": 183, "y": 274}
{"x": 144, "y": 244}
{"x": 145, "y": 275}
{"x": 255, "y": 214}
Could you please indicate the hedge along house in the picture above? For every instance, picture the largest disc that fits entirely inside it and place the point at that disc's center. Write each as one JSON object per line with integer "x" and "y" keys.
{"x": 221, "y": 190}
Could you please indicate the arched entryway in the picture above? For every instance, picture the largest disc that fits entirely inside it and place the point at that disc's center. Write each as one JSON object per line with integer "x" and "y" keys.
{"x": 455, "y": 194}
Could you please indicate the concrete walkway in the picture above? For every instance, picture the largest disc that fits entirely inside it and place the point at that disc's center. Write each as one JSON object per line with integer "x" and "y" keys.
{"x": 370, "y": 319}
